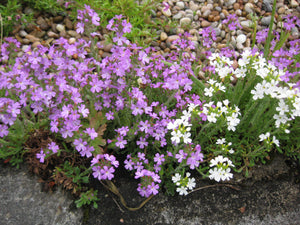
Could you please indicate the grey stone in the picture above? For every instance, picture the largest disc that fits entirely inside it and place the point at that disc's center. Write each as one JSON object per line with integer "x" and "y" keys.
{"x": 247, "y": 23}
{"x": 178, "y": 16}
{"x": 185, "y": 21}
{"x": 266, "y": 20}
{"x": 241, "y": 38}
{"x": 60, "y": 27}
{"x": 249, "y": 8}
{"x": 180, "y": 5}
{"x": 22, "y": 201}
{"x": 267, "y": 5}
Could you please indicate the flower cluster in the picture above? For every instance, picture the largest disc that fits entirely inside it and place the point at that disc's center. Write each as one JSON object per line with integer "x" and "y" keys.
{"x": 224, "y": 111}
{"x": 214, "y": 88}
{"x": 183, "y": 183}
{"x": 232, "y": 21}
{"x": 266, "y": 138}
{"x": 150, "y": 180}
{"x": 225, "y": 147}
{"x": 220, "y": 169}
{"x": 103, "y": 166}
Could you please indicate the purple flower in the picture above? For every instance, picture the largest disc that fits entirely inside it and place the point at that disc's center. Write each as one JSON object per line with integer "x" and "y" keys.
{"x": 159, "y": 159}
{"x": 109, "y": 115}
{"x": 97, "y": 172}
{"x": 123, "y": 130}
{"x": 3, "y": 130}
{"x": 80, "y": 145}
{"x": 128, "y": 164}
{"x": 53, "y": 147}
{"x": 181, "y": 156}
{"x": 121, "y": 142}
{"x": 95, "y": 19}
{"x": 87, "y": 151}
{"x": 84, "y": 111}
{"x": 14, "y": 109}
{"x": 80, "y": 27}
{"x": 142, "y": 142}
{"x": 107, "y": 173}
{"x": 166, "y": 6}
{"x": 91, "y": 132}
{"x": 41, "y": 156}
{"x": 152, "y": 189}
{"x": 126, "y": 26}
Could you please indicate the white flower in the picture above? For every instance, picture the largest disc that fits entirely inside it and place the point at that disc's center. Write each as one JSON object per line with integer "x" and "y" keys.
{"x": 182, "y": 190}
{"x": 264, "y": 136}
{"x": 191, "y": 106}
{"x": 176, "y": 178}
{"x": 215, "y": 174}
{"x": 186, "y": 115}
{"x": 212, "y": 117}
{"x": 172, "y": 126}
{"x": 258, "y": 93}
{"x": 280, "y": 119}
{"x": 218, "y": 174}
{"x": 282, "y": 107}
{"x": 186, "y": 138}
{"x": 191, "y": 183}
{"x": 275, "y": 141}
{"x": 176, "y": 135}
{"x": 208, "y": 91}
{"x": 221, "y": 141}
{"x": 231, "y": 151}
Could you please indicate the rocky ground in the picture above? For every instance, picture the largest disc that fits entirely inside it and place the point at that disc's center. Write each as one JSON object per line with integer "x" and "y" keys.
{"x": 191, "y": 16}
{"x": 270, "y": 196}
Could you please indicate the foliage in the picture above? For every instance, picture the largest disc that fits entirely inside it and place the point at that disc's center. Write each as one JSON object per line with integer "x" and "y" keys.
{"x": 10, "y": 15}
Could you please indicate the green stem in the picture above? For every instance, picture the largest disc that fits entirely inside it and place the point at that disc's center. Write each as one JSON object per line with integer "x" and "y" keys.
{"x": 270, "y": 35}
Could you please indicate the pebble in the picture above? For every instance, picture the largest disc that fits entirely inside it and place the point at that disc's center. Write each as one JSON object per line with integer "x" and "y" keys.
{"x": 241, "y": 38}
{"x": 266, "y": 20}
{"x": 25, "y": 47}
{"x": 32, "y": 38}
{"x": 194, "y": 7}
{"x": 172, "y": 38}
{"x": 23, "y": 33}
{"x": 185, "y": 21}
{"x": 163, "y": 36}
{"x": 267, "y": 5}
{"x": 294, "y": 3}
{"x": 69, "y": 24}
{"x": 73, "y": 33}
{"x": 249, "y": 8}
{"x": 35, "y": 44}
{"x": 72, "y": 40}
{"x": 180, "y": 5}
{"x": 167, "y": 12}
{"x": 60, "y": 27}
{"x": 42, "y": 23}
{"x": 246, "y": 23}
{"x": 206, "y": 13}
{"x": 281, "y": 10}
{"x": 205, "y": 23}
{"x": 178, "y": 16}
{"x": 51, "y": 34}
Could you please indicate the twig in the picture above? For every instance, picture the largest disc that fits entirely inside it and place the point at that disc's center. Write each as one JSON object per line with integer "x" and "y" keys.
{"x": 215, "y": 185}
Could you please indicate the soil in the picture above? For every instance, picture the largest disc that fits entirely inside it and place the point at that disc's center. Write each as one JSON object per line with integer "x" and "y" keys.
{"x": 270, "y": 196}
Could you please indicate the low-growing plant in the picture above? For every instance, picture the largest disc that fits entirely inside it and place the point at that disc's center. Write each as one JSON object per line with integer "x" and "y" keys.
{"x": 151, "y": 108}
{"x": 11, "y": 15}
